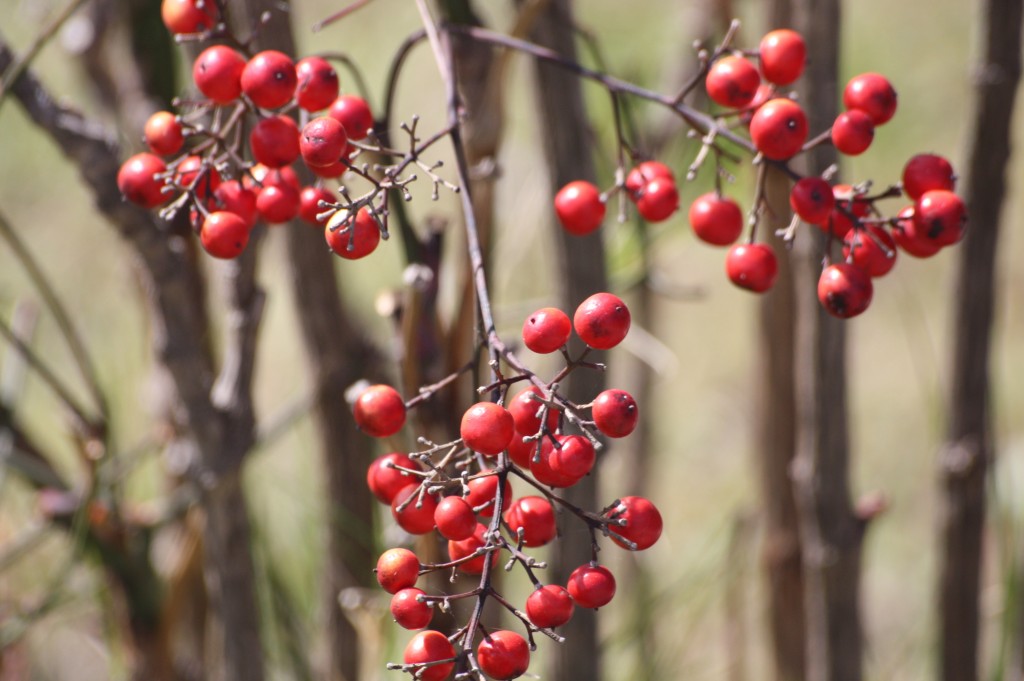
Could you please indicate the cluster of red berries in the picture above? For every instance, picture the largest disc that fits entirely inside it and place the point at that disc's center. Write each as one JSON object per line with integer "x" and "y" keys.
{"x": 778, "y": 131}
{"x": 228, "y": 186}
{"x": 457, "y": 488}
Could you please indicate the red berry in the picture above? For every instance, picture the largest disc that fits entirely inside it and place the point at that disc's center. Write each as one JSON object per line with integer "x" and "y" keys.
{"x": 639, "y": 176}
{"x": 335, "y": 170}
{"x": 217, "y": 73}
{"x": 643, "y": 523}
{"x": 455, "y": 519}
{"x": 546, "y": 330}
{"x": 163, "y": 133}
{"x": 416, "y": 516}
{"x": 925, "y": 172}
{"x": 574, "y": 458}
{"x": 782, "y": 53}
{"x": 602, "y": 321}
{"x": 457, "y": 550}
{"x": 380, "y": 411}
{"x": 487, "y": 428}
{"x": 852, "y": 132}
{"x": 363, "y": 237}
{"x": 317, "y": 83}
{"x": 873, "y": 94}
{"x": 940, "y": 216}
{"x": 715, "y": 219}
{"x": 844, "y": 290}
{"x": 430, "y": 646}
{"x": 272, "y": 177}
{"x": 503, "y": 655}
{"x": 277, "y": 203}
{"x": 275, "y": 141}
{"x": 384, "y": 480}
{"x": 482, "y": 492}
{"x": 184, "y": 16}
{"x": 549, "y": 606}
{"x": 526, "y": 412}
{"x": 309, "y": 204}
{"x": 397, "y": 569}
{"x": 811, "y": 198}
{"x": 521, "y": 453}
{"x": 579, "y": 207}
{"x": 354, "y": 113}
{"x": 269, "y": 79}
{"x": 732, "y": 82}
{"x": 138, "y": 182}
{"x": 198, "y": 175}
{"x": 233, "y": 197}
{"x": 224, "y": 234}
{"x": 408, "y": 611}
{"x": 591, "y": 586}
{"x": 615, "y": 413}
{"x": 779, "y": 129}
{"x": 764, "y": 93}
{"x": 658, "y": 199}
{"x": 323, "y": 141}
{"x": 752, "y": 266}
{"x": 912, "y": 240}
{"x": 544, "y": 473}
{"x": 535, "y": 517}
{"x": 872, "y": 249}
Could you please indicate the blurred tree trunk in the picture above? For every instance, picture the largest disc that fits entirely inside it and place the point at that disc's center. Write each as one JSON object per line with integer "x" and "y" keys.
{"x": 967, "y": 453}
{"x": 567, "y": 140}
{"x": 830, "y": 532}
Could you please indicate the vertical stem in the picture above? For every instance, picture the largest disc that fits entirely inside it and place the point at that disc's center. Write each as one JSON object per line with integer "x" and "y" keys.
{"x": 966, "y": 456}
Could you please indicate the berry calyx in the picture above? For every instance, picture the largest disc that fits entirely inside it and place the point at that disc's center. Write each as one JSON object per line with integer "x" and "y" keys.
{"x": 591, "y": 586}
{"x": 715, "y": 219}
{"x": 844, "y": 290}
{"x": 397, "y": 569}
{"x": 752, "y": 266}
{"x": 579, "y": 207}
{"x": 783, "y": 53}
{"x": 546, "y": 330}
{"x": 487, "y": 428}
{"x": 427, "y": 648}
{"x": 503, "y": 655}
{"x": 224, "y": 235}
{"x": 379, "y": 411}
{"x": 732, "y": 82}
{"x": 873, "y": 94}
{"x": 602, "y": 321}
{"x": 779, "y": 129}
{"x": 615, "y": 413}
{"x": 549, "y": 606}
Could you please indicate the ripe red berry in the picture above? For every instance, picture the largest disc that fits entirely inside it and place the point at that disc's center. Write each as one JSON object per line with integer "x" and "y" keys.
{"x": 658, "y": 199}
{"x": 503, "y": 655}
{"x": 275, "y": 141}
{"x": 811, "y": 198}
{"x": 309, "y": 204}
{"x": 269, "y": 79}
{"x": 925, "y": 172}
{"x": 872, "y": 250}
{"x": 732, "y": 82}
{"x": 354, "y": 113}
{"x": 185, "y": 16}
{"x": 521, "y": 453}
{"x": 844, "y": 290}
{"x": 639, "y": 176}
{"x": 546, "y": 330}
{"x": 873, "y": 94}
{"x": 643, "y": 523}
{"x": 430, "y": 646}
{"x": 397, "y": 569}
{"x": 549, "y": 606}
{"x": 752, "y": 266}
{"x": 262, "y": 176}
{"x": 379, "y": 411}
{"x": 591, "y": 586}
{"x": 715, "y": 219}
{"x": 163, "y": 133}
{"x": 764, "y": 93}
{"x": 457, "y": 550}
{"x": 783, "y": 53}
{"x": 849, "y": 205}
{"x": 384, "y": 480}
{"x": 535, "y": 517}
{"x": 138, "y": 182}
{"x": 192, "y": 172}
{"x": 526, "y": 412}
{"x": 413, "y": 513}
{"x": 482, "y": 493}
{"x": 779, "y": 129}
{"x": 615, "y": 413}
{"x": 940, "y": 216}
{"x": 852, "y": 132}
{"x": 217, "y": 73}
{"x": 322, "y": 142}
{"x": 574, "y": 458}
{"x": 277, "y": 204}
{"x": 602, "y": 321}
{"x": 353, "y": 241}
{"x": 455, "y": 519}
{"x": 224, "y": 234}
{"x": 487, "y": 428}
{"x": 545, "y": 473}
{"x": 317, "y": 83}
{"x": 910, "y": 238}
{"x": 579, "y": 207}
{"x": 235, "y": 198}
{"x": 408, "y": 611}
